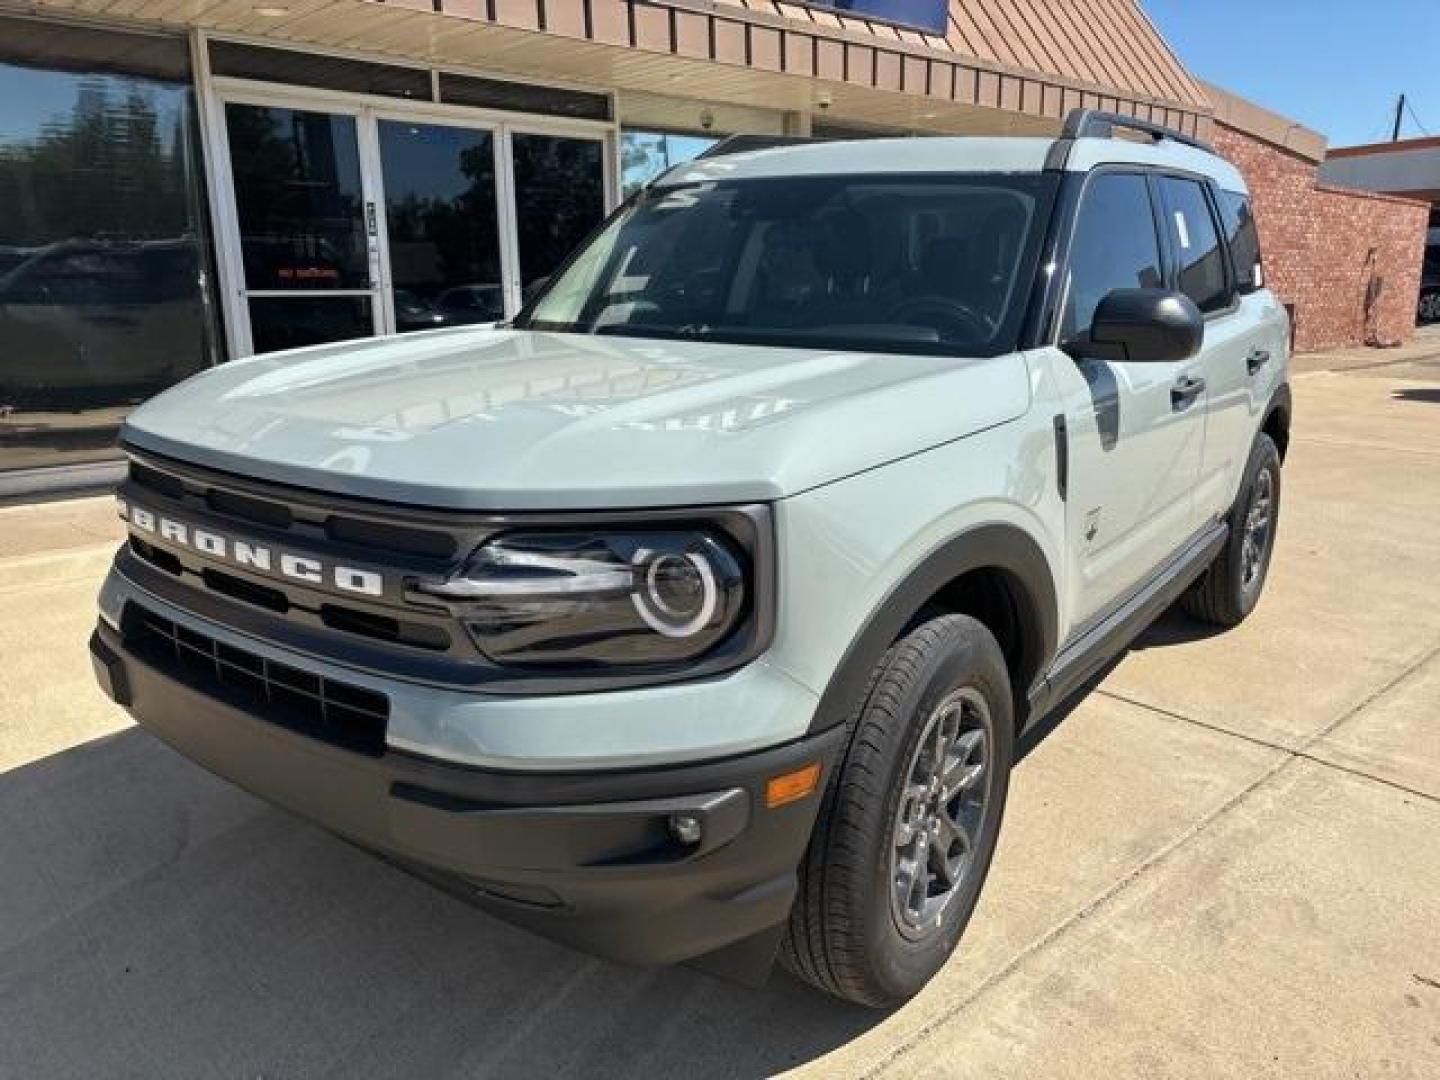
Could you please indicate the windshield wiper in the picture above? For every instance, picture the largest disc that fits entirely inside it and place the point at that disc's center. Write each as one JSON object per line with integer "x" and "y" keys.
{"x": 642, "y": 331}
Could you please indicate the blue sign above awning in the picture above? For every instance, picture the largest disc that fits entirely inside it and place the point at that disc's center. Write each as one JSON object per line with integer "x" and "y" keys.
{"x": 932, "y": 16}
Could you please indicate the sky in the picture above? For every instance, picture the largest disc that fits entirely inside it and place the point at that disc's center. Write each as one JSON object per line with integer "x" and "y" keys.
{"x": 1337, "y": 66}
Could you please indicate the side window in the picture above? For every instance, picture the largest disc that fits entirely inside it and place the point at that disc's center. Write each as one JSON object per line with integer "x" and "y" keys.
{"x": 1244, "y": 240}
{"x": 1114, "y": 247}
{"x": 1196, "y": 243}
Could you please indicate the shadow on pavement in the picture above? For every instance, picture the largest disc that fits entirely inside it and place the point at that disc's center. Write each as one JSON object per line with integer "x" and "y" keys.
{"x": 1175, "y": 628}
{"x": 155, "y": 921}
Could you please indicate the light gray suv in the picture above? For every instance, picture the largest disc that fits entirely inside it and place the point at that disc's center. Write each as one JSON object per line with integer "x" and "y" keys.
{"x": 695, "y": 614}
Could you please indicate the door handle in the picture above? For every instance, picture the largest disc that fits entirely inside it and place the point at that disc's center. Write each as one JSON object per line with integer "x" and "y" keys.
{"x": 1186, "y": 389}
{"x": 1257, "y": 359}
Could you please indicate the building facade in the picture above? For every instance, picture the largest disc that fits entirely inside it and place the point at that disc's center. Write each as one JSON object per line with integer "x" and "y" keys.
{"x": 185, "y": 182}
{"x": 1406, "y": 168}
{"x": 1346, "y": 262}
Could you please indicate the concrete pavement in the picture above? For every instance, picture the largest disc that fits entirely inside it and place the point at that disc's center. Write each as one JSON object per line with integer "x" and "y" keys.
{"x": 1223, "y": 862}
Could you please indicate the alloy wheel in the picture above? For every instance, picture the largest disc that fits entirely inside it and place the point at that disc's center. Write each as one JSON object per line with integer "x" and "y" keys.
{"x": 1255, "y": 546}
{"x": 937, "y": 826}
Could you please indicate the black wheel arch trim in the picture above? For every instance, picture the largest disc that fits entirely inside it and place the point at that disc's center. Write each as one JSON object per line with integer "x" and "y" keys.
{"x": 1002, "y": 547}
{"x": 1281, "y": 402}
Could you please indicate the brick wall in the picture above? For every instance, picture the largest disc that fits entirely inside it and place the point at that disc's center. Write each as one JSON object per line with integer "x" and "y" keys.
{"x": 1325, "y": 245}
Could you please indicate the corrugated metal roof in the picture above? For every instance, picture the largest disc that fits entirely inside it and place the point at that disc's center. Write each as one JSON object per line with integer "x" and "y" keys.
{"x": 1109, "y": 43}
{"x": 1004, "y": 65}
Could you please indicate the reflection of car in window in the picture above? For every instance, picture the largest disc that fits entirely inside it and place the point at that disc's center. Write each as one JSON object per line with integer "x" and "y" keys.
{"x": 80, "y": 318}
{"x": 412, "y": 312}
{"x": 1430, "y": 286}
{"x": 472, "y": 303}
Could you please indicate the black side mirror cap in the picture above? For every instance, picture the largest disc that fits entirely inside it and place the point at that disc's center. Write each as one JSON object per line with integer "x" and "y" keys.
{"x": 1138, "y": 326}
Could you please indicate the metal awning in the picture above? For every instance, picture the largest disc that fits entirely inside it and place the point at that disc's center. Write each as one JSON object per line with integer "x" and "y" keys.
{"x": 1004, "y": 66}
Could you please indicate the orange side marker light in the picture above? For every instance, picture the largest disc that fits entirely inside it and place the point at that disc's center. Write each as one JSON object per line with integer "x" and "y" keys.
{"x": 792, "y": 786}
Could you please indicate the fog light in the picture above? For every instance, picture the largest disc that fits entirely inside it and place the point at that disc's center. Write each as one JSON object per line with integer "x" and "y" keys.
{"x": 686, "y": 828}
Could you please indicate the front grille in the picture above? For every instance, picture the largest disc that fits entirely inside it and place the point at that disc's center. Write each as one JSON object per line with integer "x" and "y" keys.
{"x": 333, "y": 528}
{"x": 335, "y": 712}
{"x": 361, "y": 531}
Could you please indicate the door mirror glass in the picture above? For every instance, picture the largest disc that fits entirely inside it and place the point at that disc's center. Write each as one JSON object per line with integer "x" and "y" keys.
{"x": 1139, "y": 326}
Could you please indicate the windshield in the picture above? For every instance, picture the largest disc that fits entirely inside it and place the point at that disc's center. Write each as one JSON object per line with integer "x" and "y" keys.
{"x": 908, "y": 263}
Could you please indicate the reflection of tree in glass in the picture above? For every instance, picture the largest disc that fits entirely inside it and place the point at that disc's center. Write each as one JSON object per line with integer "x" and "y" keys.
{"x": 115, "y": 168}
{"x": 100, "y": 294}
{"x": 297, "y": 191}
{"x": 643, "y": 156}
{"x": 560, "y": 196}
{"x": 450, "y": 239}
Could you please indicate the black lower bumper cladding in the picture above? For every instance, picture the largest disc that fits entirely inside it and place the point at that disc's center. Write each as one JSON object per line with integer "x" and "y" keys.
{"x": 589, "y": 858}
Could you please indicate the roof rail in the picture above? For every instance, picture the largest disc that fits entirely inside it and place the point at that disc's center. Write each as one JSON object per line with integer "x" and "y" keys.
{"x": 740, "y": 144}
{"x": 1093, "y": 124}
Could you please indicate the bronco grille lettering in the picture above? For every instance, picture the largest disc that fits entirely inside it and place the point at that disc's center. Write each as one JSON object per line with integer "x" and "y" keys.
{"x": 244, "y": 553}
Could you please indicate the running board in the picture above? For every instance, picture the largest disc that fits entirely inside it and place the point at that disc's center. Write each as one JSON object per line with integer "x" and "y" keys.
{"x": 1092, "y": 650}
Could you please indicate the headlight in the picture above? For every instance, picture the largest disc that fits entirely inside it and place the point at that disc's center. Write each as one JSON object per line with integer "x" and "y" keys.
{"x": 600, "y": 598}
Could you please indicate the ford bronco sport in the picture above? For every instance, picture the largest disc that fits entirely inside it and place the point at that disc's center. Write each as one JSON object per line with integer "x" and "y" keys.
{"x": 695, "y": 614}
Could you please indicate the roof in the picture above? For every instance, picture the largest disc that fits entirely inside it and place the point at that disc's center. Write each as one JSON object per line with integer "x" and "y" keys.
{"x": 949, "y": 155}
{"x": 1001, "y": 67}
{"x": 1109, "y": 43}
{"x": 890, "y": 156}
{"x": 1400, "y": 146}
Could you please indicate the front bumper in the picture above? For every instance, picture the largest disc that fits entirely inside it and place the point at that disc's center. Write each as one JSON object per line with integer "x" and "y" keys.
{"x": 587, "y": 858}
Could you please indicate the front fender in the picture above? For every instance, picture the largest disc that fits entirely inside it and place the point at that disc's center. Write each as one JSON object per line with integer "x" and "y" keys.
{"x": 992, "y": 546}
{"x": 860, "y": 557}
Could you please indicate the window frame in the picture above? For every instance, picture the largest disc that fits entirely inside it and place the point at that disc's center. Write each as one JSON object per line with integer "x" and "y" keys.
{"x": 1172, "y": 275}
{"x": 1217, "y": 194}
{"x": 1063, "y": 256}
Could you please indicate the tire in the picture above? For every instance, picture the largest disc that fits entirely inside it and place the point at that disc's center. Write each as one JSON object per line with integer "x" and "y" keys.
{"x": 1227, "y": 592}
{"x": 850, "y": 934}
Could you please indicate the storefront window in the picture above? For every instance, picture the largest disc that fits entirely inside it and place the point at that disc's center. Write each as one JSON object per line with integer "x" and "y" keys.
{"x": 102, "y": 262}
{"x": 559, "y": 199}
{"x": 644, "y": 155}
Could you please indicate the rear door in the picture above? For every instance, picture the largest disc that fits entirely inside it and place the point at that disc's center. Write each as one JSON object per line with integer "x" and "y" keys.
{"x": 1259, "y": 366}
{"x": 1201, "y": 269}
{"x": 1134, "y": 446}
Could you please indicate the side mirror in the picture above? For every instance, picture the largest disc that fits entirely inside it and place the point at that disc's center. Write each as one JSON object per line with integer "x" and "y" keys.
{"x": 1143, "y": 326}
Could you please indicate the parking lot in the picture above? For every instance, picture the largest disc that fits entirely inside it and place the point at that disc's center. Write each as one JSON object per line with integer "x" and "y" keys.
{"x": 1224, "y": 861}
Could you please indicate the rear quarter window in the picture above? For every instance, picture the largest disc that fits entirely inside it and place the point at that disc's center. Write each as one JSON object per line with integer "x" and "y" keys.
{"x": 1244, "y": 239}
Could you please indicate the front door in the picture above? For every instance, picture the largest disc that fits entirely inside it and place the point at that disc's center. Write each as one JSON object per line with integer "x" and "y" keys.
{"x": 352, "y": 220}
{"x": 1134, "y": 444}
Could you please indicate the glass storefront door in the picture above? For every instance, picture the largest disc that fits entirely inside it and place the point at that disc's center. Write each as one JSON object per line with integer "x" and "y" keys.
{"x": 306, "y": 227}
{"x": 356, "y": 221}
{"x": 442, "y": 226}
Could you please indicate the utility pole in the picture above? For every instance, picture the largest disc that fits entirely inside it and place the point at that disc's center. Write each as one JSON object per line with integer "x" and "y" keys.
{"x": 1399, "y": 116}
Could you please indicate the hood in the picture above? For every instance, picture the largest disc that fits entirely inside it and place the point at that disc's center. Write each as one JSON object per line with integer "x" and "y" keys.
{"x": 485, "y": 419}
